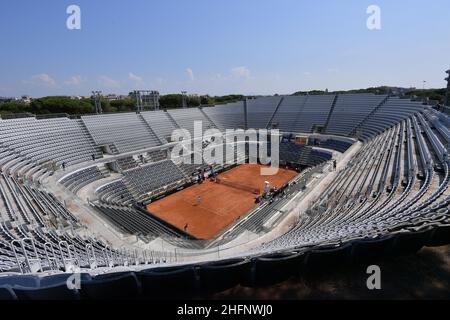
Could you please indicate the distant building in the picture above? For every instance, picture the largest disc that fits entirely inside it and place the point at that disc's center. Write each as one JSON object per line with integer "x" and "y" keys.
{"x": 26, "y": 99}
{"x": 114, "y": 97}
{"x": 398, "y": 91}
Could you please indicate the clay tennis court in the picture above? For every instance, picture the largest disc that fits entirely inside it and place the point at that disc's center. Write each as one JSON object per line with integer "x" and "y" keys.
{"x": 211, "y": 207}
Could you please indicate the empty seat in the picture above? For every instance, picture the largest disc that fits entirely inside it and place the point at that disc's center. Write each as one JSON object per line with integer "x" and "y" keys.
{"x": 54, "y": 292}
{"x": 222, "y": 275}
{"x": 369, "y": 249}
{"x": 6, "y": 293}
{"x": 111, "y": 286}
{"x": 26, "y": 281}
{"x": 168, "y": 283}
{"x": 126, "y": 131}
{"x": 440, "y": 236}
{"x": 321, "y": 258}
{"x": 61, "y": 279}
{"x": 411, "y": 242}
{"x": 275, "y": 268}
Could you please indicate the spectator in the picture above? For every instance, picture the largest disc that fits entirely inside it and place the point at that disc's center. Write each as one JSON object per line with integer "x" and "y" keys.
{"x": 202, "y": 174}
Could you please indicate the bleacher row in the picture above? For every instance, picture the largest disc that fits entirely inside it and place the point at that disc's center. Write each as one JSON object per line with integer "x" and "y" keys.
{"x": 392, "y": 197}
{"x": 38, "y": 233}
{"x": 299, "y": 155}
{"x": 31, "y": 147}
{"x": 77, "y": 180}
{"x": 365, "y": 201}
{"x": 128, "y": 131}
{"x": 127, "y": 163}
{"x": 337, "y": 145}
{"x": 134, "y": 221}
{"x": 115, "y": 192}
{"x": 152, "y": 177}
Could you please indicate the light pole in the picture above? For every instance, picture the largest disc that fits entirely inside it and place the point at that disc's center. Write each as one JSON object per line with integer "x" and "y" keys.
{"x": 184, "y": 99}
{"x": 97, "y": 96}
{"x": 447, "y": 95}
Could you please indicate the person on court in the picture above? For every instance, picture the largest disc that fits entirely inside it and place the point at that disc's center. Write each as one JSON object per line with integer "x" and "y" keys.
{"x": 213, "y": 174}
{"x": 198, "y": 200}
{"x": 266, "y": 189}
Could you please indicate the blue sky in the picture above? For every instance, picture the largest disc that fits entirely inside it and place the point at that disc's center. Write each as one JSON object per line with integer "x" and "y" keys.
{"x": 220, "y": 47}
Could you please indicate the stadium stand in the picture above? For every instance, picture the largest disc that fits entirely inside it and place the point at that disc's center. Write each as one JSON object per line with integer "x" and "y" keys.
{"x": 27, "y": 143}
{"x": 350, "y": 109}
{"x": 115, "y": 192}
{"x": 126, "y": 131}
{"x": 392, "y": 197}
{"x": 332, "y": 144}
{"x": 127, "y": 163}
{"x": 133, "y": 221}
{"x": 260, "y": 111}
{"x": 314, "y": 113}
{"x": 161, "y": 123}
{"x": 151, "y": 178}
{"x": 185, "y": 118}
{"x": 77, "y": 180}
{"x": 288, "y": 113}
{"x": 228, "y": 116}
{"x": 300, "y": 114}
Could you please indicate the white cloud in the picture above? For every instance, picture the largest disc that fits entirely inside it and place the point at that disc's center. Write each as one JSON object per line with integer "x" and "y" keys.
{"x": 135, "y": 78}
{"x": 108, "y": 82}
{"x": 74, "y": 81}
{"x": 190, "y": 74}
{"x": 42, "y": 79}
{"x": 241, "y": 72}
{"x": 306, "y": 73}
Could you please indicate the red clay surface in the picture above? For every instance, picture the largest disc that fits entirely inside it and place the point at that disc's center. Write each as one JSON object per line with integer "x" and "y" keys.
{"x": 210, "y": 208}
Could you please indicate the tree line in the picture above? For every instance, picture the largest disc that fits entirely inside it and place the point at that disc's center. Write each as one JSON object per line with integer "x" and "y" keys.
{"x": 432, "y": 94}
{"x": 75, "y": 106}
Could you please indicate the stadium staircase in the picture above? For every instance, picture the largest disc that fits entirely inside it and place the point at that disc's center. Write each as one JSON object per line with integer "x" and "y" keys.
{"x": 113, "y": 148}
{"x": 104, "y": 171}
{"x": 364, "y": 121}
{"x": 297, "y": 117}
{"x": 211, "y": 124}
{"x": 85, "y": 130}
{"x": 269, "y": 123}
{"x": 152, "y": 133}
{"x": 172, "y": 120}
{"x": 325, "y": 127}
